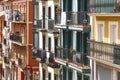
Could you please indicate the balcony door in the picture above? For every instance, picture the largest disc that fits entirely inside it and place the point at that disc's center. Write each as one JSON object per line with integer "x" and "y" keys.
{"x": 100, "y": 31}
{"x": 113, "y": 32}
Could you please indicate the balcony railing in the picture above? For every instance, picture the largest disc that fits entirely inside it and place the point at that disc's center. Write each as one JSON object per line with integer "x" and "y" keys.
{"x": 77, "y": 58}
{"x": 20, "y": 61}
{"x": 17, "y": 37}
{"x": 18, "y": 16}
{"x": 36, "y": 53}
{"x": 104, "y": 51}
{"x": 39, "y": 24}
{"x": 71, "y": 18}
{"x": 50, "y": 24}
{"x": 99, "y": 6}
{"x": 6, "y": 60}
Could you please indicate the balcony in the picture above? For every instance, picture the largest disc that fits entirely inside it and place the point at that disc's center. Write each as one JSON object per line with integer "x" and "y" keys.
{"x": 39, "y": 24}
{"x": 20, "y": 62}
{"x": 17, "y": 38}
{"x": 104, "y": 52}
{"x": 77, "y": 60}
{"x": 6, "y": 60}
{"x": 51, "y": 61}
{"x": 36, "y": 53}
{"x": 50, "y": 24}
{"x": 19, "y": 17}
{"x": 100, "y": 6}
{"x": 72, "y": 18}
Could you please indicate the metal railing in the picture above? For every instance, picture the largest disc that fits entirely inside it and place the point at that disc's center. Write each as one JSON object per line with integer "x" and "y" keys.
{"x": 50, "y": 24}
{"x": 104, "y": 51}
{"x": 18, "y": 16}
{"x": 16, "y": 37}
{"x": 36, "y": 53}
{"x": 75, "y": 58}
{"x": 71, "y": 18}
{"x": 99, "y": 6}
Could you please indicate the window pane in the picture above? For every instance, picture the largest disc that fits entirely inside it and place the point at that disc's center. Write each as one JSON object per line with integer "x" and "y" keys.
{"x": 36, "y": 11}
{"x": 36, "y": 40}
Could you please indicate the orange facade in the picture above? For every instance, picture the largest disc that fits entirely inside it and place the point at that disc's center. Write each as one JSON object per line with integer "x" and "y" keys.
{"x": 22, "y": 44}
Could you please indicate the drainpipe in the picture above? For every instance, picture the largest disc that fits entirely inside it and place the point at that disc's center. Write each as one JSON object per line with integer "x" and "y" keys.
{"x": 27, "y": 20}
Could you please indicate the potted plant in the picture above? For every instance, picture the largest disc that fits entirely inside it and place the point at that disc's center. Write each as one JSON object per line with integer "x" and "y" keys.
{"x": 58, "y": 47}
{"x": 72, "y": 51}
{"x": 58, "y": 9}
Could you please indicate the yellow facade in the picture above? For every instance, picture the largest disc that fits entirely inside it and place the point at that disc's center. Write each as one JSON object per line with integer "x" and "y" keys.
{"x": 106, "y": 20}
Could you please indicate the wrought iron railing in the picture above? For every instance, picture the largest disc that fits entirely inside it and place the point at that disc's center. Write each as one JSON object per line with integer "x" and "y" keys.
{"x": 6, "y": 60}
{"x": 18, "y": 16}
{"x": 71, "y": 18}
{"x": 99, "y": 6}
{"x": 36, "y": 53}
{"x": 104, "y": 51}
{"x": 20, "y": 61}
{"x": 50, "y": 24}
{"x": 17, "y": 37}
{"x": 75, "y": 58}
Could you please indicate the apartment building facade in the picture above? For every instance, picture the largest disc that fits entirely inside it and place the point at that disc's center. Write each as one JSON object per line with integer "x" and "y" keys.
{"x": 105, "y": 39}
{"x": 45, "y": 38}
{"x": 20, "y": 64}
{"x": 73, "y": 23}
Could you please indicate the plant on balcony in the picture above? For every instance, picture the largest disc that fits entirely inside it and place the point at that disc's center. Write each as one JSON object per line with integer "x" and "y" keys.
{"x": 72, "y": 51}
{"x": 59, "y": 47}
{"x": 58, "y": 9}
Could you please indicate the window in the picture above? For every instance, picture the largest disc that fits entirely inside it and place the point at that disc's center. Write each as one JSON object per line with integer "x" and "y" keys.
{"x": 55, "y": 77}
{"x": 36, "y": 11}
{"x": 43, "y": 16}
{"x": 44, "y": 42}
{"x": 49, "y": 12}
{"x": 70, "y": 74}
{"x": 49, "y": 76}
{"x": 36, "y": 39}
{"x": 49, "y": 44}
{"x": 56, "y": 44}
{"x": 113, "y": 32}
{"x": 100, "y": 31}
{"x": 79, "y": 41}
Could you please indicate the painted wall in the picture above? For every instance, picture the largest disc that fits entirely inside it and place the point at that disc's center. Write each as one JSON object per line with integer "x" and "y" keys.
{"x": 106, "y": 20}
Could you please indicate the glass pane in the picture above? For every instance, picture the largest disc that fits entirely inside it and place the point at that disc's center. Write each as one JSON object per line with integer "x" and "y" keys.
{"x": 36, "y": 39}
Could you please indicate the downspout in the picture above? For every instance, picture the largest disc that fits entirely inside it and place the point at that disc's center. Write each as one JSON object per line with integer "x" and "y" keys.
{"x": 27, "y": 24}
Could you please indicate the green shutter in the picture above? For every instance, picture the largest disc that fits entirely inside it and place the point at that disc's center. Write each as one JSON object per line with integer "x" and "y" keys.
{"x": 79, "y": 41}
{"x": 44, "y": 43}
{"x": 49, "y": 44}
{"x": 69, "y": 74}
{"x": 65, "y": 43}
{"x": 81, "y": 5}
{"x": 49, "y": 76}
{"x": 85, "y": 59}
{"x": 64, "y": 5}
{"x": 86, "y": 77}
{"x": 64, "y": 74}
{"x": 116, "y": 55}
{"x": 69, "y": 5}
{"x": 79, "y": 76}
{"x": 36, "y": 39}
